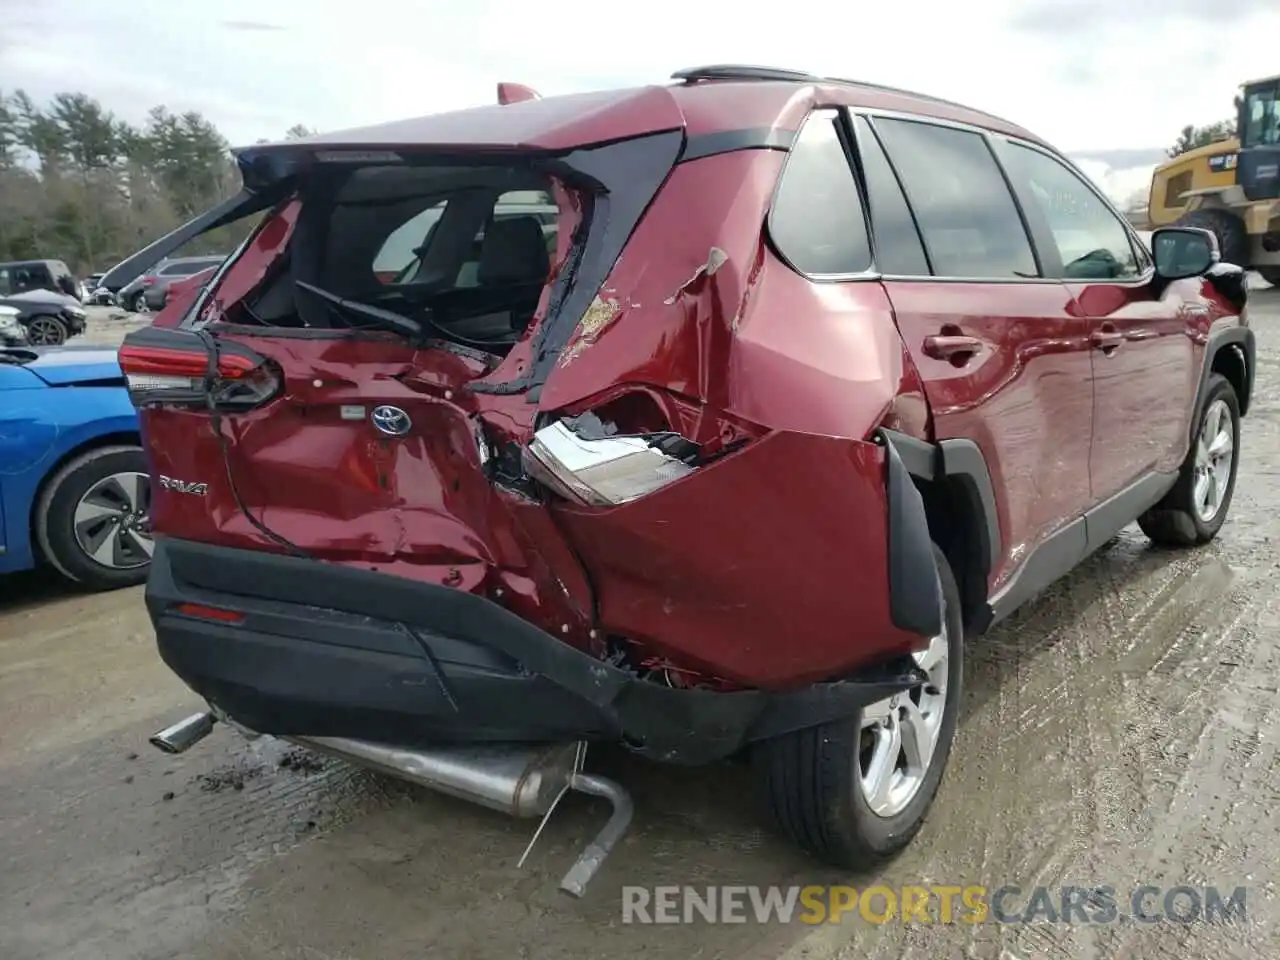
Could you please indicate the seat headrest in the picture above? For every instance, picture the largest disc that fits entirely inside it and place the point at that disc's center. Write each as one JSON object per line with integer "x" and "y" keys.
{"x": 514, "y": 250}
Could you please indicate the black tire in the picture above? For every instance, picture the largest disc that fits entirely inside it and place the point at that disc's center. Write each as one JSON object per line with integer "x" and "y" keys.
{"x": 53, "y": 521}
{"x": 1175, "y": 521}
{"x": 1233, "y": 238}
{"x": 138, "y": 303}
{"x": 811, "y": 779}
{"x": 1270, "y": 274}
{"x": 47, "y": 330}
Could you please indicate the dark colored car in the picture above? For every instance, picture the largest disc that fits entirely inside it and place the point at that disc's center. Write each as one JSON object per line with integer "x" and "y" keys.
{"x": 21, "y": 276}
{"x": 150, "y": 291}
{"x": 818, "y": 378}
{"x": 96, "y": 293}
{"x": 49, "y": 318}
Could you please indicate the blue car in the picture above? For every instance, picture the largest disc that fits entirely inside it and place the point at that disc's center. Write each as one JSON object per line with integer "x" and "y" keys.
{"x": 74, "y": 488}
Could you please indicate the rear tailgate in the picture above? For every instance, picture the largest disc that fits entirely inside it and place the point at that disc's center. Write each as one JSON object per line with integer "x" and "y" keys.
{"x": 278, "y": 419}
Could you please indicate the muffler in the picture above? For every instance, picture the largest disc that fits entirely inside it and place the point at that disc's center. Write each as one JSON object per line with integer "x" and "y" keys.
{"x": 184, "y": 734}
{"x": 519, "y": 781}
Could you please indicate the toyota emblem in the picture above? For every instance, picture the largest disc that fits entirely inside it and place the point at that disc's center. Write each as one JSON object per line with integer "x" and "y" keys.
{"x": 392, "y": 421}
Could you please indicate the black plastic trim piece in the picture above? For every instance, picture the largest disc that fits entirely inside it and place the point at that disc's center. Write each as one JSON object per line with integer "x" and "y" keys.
{"x": 921, "y": 458}
{"x": 963, "y": 460}
{"x": 622, "y": 179}
{"x": 704, "y": 145}
{"x": 1226, "y": 338}
{"x": 914, "y": 600}
{"x": 1064, "y": 549}
{"x": 1106, "y": 519}
{"x": 318, "y": 654}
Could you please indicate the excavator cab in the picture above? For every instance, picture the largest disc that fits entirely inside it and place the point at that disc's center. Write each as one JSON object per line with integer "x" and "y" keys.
{"x": 1258, "y": 166}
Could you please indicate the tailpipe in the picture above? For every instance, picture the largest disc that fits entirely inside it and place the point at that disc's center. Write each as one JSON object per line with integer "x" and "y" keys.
{"x": 520, "y": 781}
{"x": 184, "y": 734}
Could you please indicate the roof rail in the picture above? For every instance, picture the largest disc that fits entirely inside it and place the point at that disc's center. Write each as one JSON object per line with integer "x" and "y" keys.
{"x": 741, "y": 71}
{"x": 927, "y": 97}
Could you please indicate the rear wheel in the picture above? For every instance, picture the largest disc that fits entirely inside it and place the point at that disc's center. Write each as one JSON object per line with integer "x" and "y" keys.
{"x": 856, "y": 791}
{"x": 1233, "y": 238}
{"x": 1195, "y": 509}
{"x": 93, "y": 518}
{"x": 138, "y": 303}
{"x": 1270, "y": 274}
{"x": 45, "y": 331}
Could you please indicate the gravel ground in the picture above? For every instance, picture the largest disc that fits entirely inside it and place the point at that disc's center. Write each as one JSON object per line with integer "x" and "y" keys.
{"x": 1122, "y": 730}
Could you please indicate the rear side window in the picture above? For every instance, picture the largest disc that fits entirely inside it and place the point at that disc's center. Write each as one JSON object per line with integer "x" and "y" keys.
{"x": 817, "y": 222}
{"x": 6, "y": 282}
{"x": 899, "y": 251}
{"x": 968, "y": 217}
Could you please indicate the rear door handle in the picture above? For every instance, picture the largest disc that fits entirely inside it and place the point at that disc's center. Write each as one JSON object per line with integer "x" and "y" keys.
{"x": 953, "y": 348}
{"x": 1106, "y": 340}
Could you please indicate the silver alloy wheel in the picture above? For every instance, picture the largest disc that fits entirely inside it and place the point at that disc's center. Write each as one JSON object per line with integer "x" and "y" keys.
{"x": 900, "y": 734}
{"x": 44, "y": 332}
{"x": 112, "y": 521}
{"x": 140, "y": 304}
{"x": 1215, "y": 453}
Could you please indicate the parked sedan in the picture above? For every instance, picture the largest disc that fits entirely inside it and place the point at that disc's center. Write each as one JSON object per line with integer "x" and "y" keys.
{"x": 49, "y": 318}
{"x": 74, "y": 489}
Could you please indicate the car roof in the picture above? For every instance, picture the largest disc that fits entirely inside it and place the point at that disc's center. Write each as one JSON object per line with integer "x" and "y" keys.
{"x": 703, "y": 100}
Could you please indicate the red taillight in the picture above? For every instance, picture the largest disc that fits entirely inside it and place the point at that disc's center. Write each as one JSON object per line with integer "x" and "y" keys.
{"x": 201, "y": 612}
{"x": 165, "y": 362}
{"x": 148, "y": 281}
{"x": 165, "y": 366}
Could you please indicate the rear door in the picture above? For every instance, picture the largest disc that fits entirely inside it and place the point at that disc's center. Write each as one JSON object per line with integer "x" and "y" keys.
{"x": 1004, "y": 359}
{"x": 1143, "y": 339}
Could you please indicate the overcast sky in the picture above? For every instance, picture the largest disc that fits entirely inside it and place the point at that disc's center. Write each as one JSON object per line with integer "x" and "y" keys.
{"x": 1085, "y": 74}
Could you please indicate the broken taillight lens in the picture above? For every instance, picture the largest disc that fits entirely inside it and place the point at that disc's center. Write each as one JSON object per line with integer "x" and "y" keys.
{"x": 609, "y": 470}
{"x": 171, "y": 374}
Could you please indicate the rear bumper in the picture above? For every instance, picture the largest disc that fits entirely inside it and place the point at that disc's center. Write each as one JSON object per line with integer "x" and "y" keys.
{"x": 328, "y": 650}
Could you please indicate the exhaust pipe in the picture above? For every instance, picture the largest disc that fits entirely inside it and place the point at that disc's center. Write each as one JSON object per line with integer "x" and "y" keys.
{"x": 520, "y": 781}
{"x": 516, "y": 780}
{"x": 184, "y": 734}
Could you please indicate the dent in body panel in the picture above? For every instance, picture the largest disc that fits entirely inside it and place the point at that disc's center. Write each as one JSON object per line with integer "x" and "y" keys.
{"x": 1025, "y": 398}
{"x": 1159, "y": 357}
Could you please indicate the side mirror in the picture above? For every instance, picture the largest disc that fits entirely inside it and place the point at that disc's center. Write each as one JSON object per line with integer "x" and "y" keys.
{"x": 1182, "y": 252}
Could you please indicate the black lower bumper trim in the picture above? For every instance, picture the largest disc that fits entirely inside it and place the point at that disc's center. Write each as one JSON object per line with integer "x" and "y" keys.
{"x": 328, "y": 650}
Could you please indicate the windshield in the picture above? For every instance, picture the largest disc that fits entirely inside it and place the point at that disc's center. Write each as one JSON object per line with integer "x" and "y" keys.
{"x": 1261, "y": 125}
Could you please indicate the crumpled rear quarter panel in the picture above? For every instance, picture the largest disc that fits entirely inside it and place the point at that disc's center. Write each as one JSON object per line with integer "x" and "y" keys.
{"x": 767, "y": 568}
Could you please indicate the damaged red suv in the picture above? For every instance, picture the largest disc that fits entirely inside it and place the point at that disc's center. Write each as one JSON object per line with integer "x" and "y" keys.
{"x": 706, "y": 419}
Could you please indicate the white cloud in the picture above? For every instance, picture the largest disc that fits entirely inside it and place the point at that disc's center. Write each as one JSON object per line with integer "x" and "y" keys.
{"x": 1082, "y": 81}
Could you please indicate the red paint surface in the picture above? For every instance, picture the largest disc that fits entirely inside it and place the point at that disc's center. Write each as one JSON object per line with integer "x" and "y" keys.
{"x": 765, "y": 568}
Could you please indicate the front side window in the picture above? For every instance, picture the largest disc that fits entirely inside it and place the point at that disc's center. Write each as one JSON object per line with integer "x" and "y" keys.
{"x": 966, "y": 213}
{"x": 817, "y": 222}
{"x": 1092, "y": 241}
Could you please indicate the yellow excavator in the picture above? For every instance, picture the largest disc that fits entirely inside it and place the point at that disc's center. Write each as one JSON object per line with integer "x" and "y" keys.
{"x": 1231, "y": 187}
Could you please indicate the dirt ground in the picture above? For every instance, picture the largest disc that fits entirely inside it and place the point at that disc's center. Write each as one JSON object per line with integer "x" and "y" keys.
{"x": 1122, "y": 730}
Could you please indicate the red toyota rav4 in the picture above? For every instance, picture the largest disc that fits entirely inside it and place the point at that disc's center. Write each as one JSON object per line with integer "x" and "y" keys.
{"x": 706, "y": 419}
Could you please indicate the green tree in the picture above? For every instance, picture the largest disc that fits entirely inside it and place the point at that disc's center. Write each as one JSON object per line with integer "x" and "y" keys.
{"x": 1192, "y": 137}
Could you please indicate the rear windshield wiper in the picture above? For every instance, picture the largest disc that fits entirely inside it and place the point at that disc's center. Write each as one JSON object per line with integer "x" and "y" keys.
{"x": 387, "y": 318}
